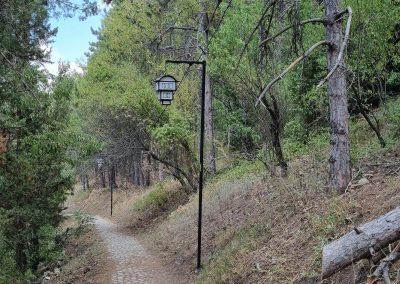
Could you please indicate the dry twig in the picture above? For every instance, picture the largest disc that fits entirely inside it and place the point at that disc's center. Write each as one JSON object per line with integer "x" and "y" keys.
{"x": 302, "y": 23}
{"x": 383, "y": 269}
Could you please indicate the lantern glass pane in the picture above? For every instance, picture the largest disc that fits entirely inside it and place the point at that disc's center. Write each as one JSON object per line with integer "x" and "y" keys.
{"x": 166, "y": 95}
{"x": 167, "y": 86}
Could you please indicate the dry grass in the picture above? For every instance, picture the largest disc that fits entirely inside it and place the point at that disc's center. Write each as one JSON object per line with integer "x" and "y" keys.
{"x": 271, "y": 230}
{"x": 258, "y": 229}
{"x": 86, "y": 258}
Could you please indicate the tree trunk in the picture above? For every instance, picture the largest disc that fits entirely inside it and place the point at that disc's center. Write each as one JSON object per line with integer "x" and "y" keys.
{"x": 147, "y": 171}
{"x": 87, "y": 181}
{"x": 20, "y": 256}
{"x": 209, "y": 146}
{"x": 275, "y": 133}
{"x": 360, "y": 242}
{"x": 276, "y": 141}
{"x": 83, "y": 183}
{"x": 35, "y": 249}
{"x": 340, "y": 168}
{"x": 136, "y": 173}
{"x": 273, "y": 108}
{"x": 102, "y": 177}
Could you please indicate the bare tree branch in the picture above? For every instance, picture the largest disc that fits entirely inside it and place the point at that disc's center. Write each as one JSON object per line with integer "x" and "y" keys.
{"x": 342, "y": 48}
{"x": 290, "y": 67}
{"x": 221, "y": 19}
{"x": 181, "y": 28}
{"x": 302, "y": 23}
{"x": 272, "y": 4}
{"x": 386, "y": 263}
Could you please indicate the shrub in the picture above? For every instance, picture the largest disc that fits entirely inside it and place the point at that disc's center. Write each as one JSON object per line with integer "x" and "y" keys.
{"x": 157, "y": 197}
{"x": 393, "y": 116}
{"x": 83, "y": 221}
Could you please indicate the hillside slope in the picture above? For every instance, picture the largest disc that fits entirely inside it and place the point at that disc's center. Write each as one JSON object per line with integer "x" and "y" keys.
{"x": 258, "y": 228}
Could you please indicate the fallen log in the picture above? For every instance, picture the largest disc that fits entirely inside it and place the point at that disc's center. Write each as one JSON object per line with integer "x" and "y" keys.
{"x": 361, "y": 242}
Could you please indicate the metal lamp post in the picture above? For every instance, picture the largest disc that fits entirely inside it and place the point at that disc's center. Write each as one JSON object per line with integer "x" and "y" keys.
{"x": 165, "y": 87}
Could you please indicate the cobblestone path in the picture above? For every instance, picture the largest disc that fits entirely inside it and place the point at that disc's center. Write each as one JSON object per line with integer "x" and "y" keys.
{"x": 133, "y": 264}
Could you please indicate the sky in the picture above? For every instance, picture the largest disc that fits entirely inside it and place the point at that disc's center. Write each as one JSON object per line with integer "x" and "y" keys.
{"x": 72, "y": 40}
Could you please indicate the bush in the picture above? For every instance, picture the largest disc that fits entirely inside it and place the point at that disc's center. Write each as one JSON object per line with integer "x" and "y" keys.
{"x": 83, "y": 221}
{"x": 158, "y": 197}
{"x": 241, "y": 169}
{"x": 295, "y": 131}
{"x": 49, "y": 250}
{"x": 393, "y": 116}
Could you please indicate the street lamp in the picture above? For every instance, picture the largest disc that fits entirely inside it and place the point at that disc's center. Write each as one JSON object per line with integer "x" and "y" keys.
{"x": 165, "y": 87}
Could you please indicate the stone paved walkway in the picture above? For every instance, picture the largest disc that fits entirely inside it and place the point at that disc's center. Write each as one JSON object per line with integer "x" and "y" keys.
{"x": 133, "y": 264}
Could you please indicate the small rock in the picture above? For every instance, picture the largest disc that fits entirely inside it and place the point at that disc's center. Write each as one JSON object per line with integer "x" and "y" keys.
{"x": 363, "y": 181}
{"x": 57, "y": 271}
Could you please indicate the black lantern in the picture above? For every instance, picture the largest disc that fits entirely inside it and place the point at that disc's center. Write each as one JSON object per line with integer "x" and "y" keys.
{"x": 165, "y": 87}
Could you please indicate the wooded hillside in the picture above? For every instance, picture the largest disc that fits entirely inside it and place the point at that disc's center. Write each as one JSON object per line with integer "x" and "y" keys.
{"x": 285, "y": 79}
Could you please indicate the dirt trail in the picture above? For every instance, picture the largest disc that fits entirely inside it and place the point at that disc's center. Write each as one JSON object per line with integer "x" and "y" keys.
{"x": 133, "y": 263}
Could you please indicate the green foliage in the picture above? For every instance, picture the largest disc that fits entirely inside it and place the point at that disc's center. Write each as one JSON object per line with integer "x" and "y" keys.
{"x": 294, "y": 130}
{"x": 157, "y": 197}
{"x": 315, "y": 143}
{"x": 393, "y": 114}
{"x": 49, "y": 250}
{"x": 233, "y": 130}
{"x": 35, "y": 178}
{"x": 82, "y": 220}
{"x": 242, "y": 169}
{"x": 177, "y": 130}
{"x": 360, "y": 139}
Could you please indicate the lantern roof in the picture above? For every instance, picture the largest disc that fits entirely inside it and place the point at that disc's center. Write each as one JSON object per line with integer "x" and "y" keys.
{"x": 166, "y": 77}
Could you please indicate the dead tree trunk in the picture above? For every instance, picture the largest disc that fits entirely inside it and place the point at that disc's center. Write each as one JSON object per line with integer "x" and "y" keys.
{"x": 360, "y": 243}
{"x": 340, "y": 168}
{"x": 208, "y": 111}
